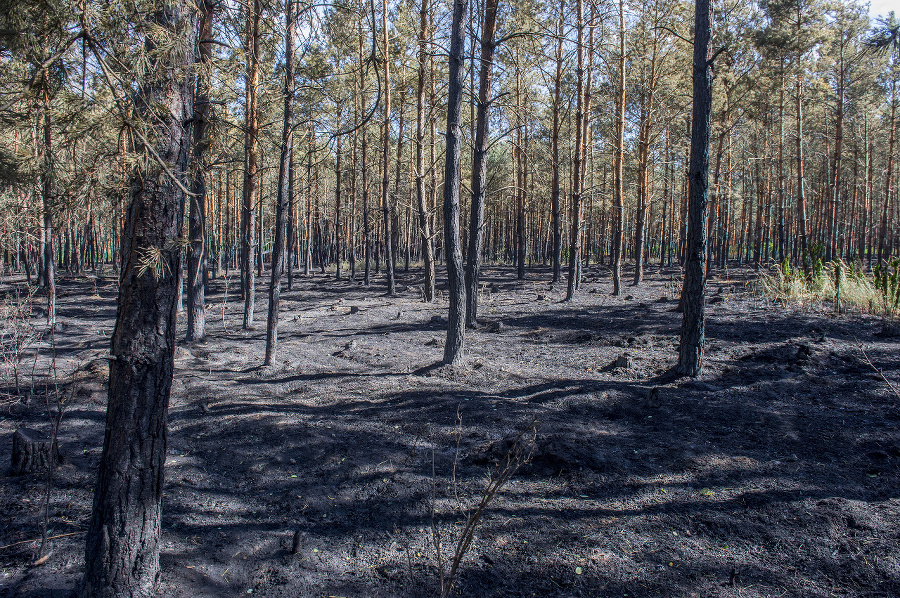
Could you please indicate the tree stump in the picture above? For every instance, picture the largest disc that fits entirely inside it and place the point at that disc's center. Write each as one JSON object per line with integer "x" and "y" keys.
{"x": 31, "y": 451}
{"x": 623, "y": 362}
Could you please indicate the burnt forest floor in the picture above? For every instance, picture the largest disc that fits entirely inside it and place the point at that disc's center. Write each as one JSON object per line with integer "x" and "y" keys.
{"x": 773, "y": 474}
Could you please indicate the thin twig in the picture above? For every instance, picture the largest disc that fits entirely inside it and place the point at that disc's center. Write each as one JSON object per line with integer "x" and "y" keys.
{"x": 514, "y": 458}
{"x": 435, "y": 533}
{"x": 39, "y": 539}
{"x": 880, "y": 373}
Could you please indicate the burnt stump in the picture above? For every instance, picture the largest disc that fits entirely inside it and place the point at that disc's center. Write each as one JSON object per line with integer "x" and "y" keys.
{"x": 32, "y": 451}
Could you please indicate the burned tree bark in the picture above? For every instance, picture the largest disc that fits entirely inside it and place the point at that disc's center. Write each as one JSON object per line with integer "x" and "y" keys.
{"x": 479, "y": 164}
{"x": 386, "y": 158}
{"x": 618, "y": 193}
{"x": 455, "y": 328}
{"x": 122, "y": 548}
{"x": 281, "y": 202}
{"x": 421, "y": 200}
{"x": 575, "y": 240}
{"x": 251, "y": 169}
{"x": 197, "y": 255}
{"x": 32, "y": 452}
{"x": 690, "y": 354}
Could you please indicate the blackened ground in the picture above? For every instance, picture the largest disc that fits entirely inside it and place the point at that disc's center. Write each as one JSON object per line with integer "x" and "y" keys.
{"x": 774, "y": 474}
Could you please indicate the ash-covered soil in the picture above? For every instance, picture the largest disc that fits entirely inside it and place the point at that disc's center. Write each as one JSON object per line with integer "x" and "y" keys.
{"x": 338, "y": 471}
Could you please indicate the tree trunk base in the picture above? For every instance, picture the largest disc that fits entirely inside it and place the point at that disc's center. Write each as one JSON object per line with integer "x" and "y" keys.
{"x": 32, "y": 452}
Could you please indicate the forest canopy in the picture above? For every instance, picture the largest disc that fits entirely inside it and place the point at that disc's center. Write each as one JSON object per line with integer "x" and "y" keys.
{"x": 802, "y": 143}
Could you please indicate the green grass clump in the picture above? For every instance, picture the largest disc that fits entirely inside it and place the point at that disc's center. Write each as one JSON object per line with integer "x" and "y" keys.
{"x": 837, "y": 282}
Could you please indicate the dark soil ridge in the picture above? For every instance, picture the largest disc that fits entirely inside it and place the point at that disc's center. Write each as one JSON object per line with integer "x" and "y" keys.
{"x": 775, "y": 474}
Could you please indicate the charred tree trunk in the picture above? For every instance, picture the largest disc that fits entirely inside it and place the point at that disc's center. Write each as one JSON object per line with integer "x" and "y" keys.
{"x": 479, "y": 163}
{"x": 690, "y": 355}
{"x": 197, "y": 255}
{"x": 122, "y": 547}
{"x": 618, "y": 191}
{"x": 284, "y": 172}
{"x": 575, "y": 239}
{"x": 337, "y": 209}
{"x": 456, "y": 316}
{"x": 364, "y": 172}
{"x": 421, "y": 199}
{"x": 251, "y": 173}
{"x": 554, "y": 149}
{"x": 386, "y": 157}
{"x": 49, "y": 259}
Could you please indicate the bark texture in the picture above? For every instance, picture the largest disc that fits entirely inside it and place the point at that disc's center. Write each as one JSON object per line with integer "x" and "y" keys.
{"x": 281, "y": 202}
{"x": 122, "y": 548}
{"x": 424, "y": 210}
{"x": 479, "y": 163}
{"x": 197, "y": 255}
{"x": 690, "y": 356}
{"x": 455, "y": 326}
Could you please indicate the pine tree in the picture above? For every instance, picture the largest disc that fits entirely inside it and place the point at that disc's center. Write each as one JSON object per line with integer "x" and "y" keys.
{"x": 122, "y": 548}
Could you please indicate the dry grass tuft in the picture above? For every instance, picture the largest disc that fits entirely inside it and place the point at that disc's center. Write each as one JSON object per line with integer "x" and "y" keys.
{"x": 845, "y": 286}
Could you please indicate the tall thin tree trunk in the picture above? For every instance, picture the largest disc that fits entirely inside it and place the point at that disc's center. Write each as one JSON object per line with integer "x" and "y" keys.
{"x": 386, "y": 156}
{"x": 251, "y": 172}
{"x": 865, "y": 224}
{"x": 197, "y": 255}
{"x": 782, "y": 241}
{"x": 835, "y": 195}
{"x": 337, "y": 207}
{"x": 364, "y": 172}
{"x": 284, "y": 172}
{"x": 291, "y": 232}
{"x": 645, "y": 131}
{"x": 49, "y": 262}
{"x": 883, "y": 233}
{"x": 456, "y": 316}
{"x": 577, "y": 181}
{"x": 479, "y": 162}
{"x": 618, "y": 191}
{"x": 308, "y": 232}
{"x": 801, "y": 193}
{"x": 421, "y": 200}
{"x": 520, "y": 166}
{"x": 690, "y": 354}
{"x": 554, "y": 148}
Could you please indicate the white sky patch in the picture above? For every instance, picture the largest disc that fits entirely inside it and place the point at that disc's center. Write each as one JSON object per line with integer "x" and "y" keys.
{"x": 883, "y": 7}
